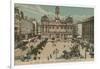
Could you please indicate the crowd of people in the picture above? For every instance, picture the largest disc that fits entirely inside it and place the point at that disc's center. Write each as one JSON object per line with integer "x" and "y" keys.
{"x": 76, "y": 49}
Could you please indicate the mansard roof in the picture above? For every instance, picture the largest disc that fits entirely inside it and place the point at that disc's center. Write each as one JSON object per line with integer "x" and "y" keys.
{"x": 44, "y": 18}
{"x": 69, "y": 19}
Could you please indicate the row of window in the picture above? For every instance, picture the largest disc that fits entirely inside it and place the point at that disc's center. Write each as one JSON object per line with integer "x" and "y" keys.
{"x": 59, "y": 27}
{"x": 62, "y": 35}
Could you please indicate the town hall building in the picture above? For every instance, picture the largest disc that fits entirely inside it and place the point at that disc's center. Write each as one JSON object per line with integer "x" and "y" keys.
{"x": 57, "y": 28}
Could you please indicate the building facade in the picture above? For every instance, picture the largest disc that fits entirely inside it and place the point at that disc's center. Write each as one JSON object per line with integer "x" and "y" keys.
{"x": 57, "y": 28}
{"x": 24, "y": 27}
{"x": 79, "y": 30}
{"x": 88, "y": 29}
{"x": 17, "y": 21}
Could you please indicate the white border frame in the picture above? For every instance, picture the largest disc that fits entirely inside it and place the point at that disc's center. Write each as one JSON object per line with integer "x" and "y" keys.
{"x": 37, "y": 3}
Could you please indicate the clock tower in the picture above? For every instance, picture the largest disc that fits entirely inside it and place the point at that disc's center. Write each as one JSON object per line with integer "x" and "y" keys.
{"x": 57, "y": 12}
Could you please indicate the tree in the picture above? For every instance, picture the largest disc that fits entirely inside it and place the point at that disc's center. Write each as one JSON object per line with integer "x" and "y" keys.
{"x": 21, "y": 15}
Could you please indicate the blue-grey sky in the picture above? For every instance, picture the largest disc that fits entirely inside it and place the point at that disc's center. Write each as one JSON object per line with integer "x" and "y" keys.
{"x": 36, "y": 11}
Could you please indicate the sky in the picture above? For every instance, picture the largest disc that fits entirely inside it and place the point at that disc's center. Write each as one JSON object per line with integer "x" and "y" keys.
{"x": 37, "y": 11}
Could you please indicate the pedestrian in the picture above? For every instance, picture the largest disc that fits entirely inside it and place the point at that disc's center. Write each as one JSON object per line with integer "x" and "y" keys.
{"x": 54, "y": 52}
{"x": 64, "y": 46}
{"x": 50, "y": 56}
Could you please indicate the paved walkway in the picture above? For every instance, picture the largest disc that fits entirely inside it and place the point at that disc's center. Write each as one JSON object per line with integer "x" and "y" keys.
{"x": 52, "y": 51}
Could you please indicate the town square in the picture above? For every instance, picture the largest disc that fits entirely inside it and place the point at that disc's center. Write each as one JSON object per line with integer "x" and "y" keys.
{"x": 50, "y": 34}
